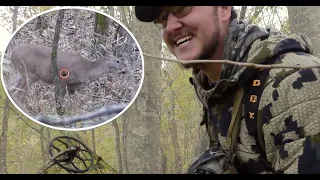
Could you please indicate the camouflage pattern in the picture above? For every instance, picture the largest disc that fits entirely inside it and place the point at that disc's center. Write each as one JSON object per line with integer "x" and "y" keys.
{"x": 289, "y": 105}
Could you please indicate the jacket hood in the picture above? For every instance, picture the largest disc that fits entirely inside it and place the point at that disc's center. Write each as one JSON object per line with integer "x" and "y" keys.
{"x": 251, "y": 44}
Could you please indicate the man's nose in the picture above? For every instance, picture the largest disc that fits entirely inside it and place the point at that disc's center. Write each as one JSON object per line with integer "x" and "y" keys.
{"x": 173, "y": 23}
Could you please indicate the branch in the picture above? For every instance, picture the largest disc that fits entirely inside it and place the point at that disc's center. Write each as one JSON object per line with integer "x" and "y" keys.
{"x": 117, "y": 41}
{"x": 281, "y": 23}
{"x": 105, "y": 110}
{"x": 253, "y": 65}
{"x": 257, "y": 11}
{"x": 21, "y": 117}
{"x": 97, "y": 34}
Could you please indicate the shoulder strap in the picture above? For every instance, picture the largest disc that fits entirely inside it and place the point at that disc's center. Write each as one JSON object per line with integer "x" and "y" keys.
{"x": 234, "y": 126}
{"x": 235, "y": 120}
{"x": 248, "y": 95}
{"x": 252, "y": 97}
{"x": 233, "y": 132}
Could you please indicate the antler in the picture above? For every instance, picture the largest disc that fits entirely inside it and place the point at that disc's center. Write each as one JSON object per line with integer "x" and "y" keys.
{"x": 117, "y": 41}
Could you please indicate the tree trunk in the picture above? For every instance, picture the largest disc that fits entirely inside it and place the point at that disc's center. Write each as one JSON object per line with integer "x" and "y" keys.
{"x": 59, "y": 90}
{"x": 124, "y": 135}
{"x": 174, "y": 135}
{"x": 111, "y": 9}
{"x": 164, "y": 162}
{"x": 123, "y": 16}
{"x": 117, "y": 141}
{"x": 42, "y": 145}
{"x": 142, "y": 137}
{"x": 243, "y": 12}
{"x": 4, "y": 133}
{"x": 305, "y": 19}
{"x": 101, "y": 27}
{"x": 48, "y": 135}
{"x": 93, "y": 139}
{"x": 4, "y": 137}
{"x": 15, "y": 18}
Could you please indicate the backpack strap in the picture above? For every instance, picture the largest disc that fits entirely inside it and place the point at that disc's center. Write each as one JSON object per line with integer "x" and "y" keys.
{"x": 233, "y": 132}
{"x": 251, "y": 99}
{"x": 246, "y": 99}
{"x": 234, "y": 126}
{"x": 253, "y": 93}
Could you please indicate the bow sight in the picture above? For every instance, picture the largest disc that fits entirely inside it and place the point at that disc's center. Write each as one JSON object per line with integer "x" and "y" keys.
{"x": 69, "y": 155}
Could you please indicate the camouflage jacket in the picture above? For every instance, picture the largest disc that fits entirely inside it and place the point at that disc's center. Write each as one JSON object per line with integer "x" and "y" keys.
{"x": 289, "y": 102}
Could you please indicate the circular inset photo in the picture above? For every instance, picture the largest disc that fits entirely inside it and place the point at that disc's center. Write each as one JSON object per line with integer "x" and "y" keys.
{"x": 72, "y": 68}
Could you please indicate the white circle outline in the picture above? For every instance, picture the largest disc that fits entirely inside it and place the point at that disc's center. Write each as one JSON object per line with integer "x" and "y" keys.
{"x": 78, "y": 129}
{"x": 64, "y": 69}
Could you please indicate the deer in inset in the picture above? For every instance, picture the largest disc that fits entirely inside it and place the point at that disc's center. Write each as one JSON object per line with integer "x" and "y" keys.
{"x": 33, "y": 62}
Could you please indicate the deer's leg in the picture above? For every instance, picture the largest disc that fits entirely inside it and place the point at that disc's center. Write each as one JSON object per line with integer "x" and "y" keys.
{"x": 19, "y": 89}
{"x": 71, "y": 89}
{"x": 16, "y": 85}
{"x": 25, "y": 84}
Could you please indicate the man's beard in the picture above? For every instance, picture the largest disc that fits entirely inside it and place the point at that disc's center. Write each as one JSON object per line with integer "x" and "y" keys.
{"x": 209, "y": 48}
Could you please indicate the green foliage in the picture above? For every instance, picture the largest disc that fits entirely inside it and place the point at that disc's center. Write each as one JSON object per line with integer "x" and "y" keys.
{"x": 178, "y": 104}
{"x": 266, "y": 16}
{"x": 253, "y": 18}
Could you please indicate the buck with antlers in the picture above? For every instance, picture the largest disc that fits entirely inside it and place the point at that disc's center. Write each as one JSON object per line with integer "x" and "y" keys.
{"x": 33, "y": 62}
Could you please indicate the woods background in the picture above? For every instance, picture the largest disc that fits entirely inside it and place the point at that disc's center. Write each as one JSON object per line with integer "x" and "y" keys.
{"x": 160, "y": 132}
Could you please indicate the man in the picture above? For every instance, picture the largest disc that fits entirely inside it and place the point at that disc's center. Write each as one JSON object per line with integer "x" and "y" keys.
{"x": 262, "y": 120}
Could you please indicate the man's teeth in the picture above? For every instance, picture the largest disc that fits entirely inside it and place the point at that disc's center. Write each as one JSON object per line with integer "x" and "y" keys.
{"x": 184, "y": 39}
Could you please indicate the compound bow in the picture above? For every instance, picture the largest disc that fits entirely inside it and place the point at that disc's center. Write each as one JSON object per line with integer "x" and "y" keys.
{"x": 73, "y": 156}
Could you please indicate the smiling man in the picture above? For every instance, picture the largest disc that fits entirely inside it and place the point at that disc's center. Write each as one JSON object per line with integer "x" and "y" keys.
{"x": 258, "y": 120}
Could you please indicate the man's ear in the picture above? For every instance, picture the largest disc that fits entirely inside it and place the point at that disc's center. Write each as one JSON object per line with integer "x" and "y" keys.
{"x": 225, "y": 13}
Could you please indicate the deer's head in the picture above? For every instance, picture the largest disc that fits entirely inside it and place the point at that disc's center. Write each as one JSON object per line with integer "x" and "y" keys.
{"x": 103, "y": 65}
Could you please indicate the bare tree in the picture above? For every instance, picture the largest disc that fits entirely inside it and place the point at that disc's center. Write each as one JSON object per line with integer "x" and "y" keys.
{"x": 173, "y": 124}
{"x": 93, "y": 139}
{"x": 164, "y": 162}
{"x": 3, "y": 138}
{"x": 4, "y": 133}
{"x": 243, "y": 12}
{"x": 257, "y": 11}
{"x": 101, "y": 27}
{"x": 117, "y": 142}
{"x": 42, "y": 145}
{"x": 305, "y": 19}
{"x": 56, "y": 79}
{"x": 142, "y": 134}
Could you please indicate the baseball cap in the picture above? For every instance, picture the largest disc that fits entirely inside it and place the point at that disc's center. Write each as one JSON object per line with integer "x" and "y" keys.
{"x": 147, "y": 13}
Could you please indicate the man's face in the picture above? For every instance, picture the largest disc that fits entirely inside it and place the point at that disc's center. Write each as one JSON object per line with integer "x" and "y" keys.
{"x": 195, "y": 35}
